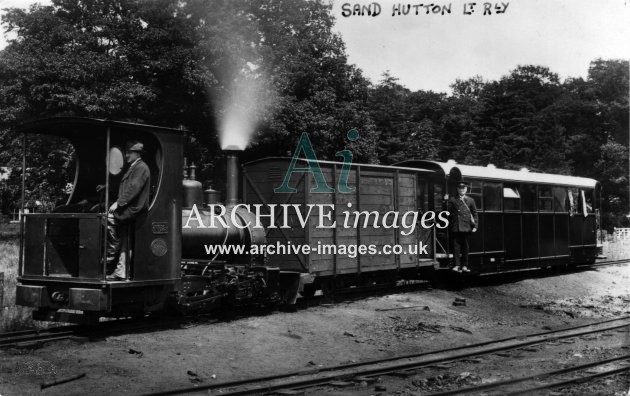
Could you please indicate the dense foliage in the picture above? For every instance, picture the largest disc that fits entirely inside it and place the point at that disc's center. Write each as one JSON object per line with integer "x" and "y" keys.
{"x": 279, "y": 63}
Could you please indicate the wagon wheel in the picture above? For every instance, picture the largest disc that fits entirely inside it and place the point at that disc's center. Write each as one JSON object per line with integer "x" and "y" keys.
{"x": 328, "y": 288}
{"x": 309, "y": 291}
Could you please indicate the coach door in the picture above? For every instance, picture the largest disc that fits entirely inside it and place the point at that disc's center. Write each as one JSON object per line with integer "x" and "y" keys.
{"x": 512, "y": 226}
{"x": 478, "y": 239}
{"x": 433, "y": 200}
{"x": 425, "y": 236}
{"x": 582, "y": 222}
{"x": 529, "y": 205}
{"x": 560, "y": 222}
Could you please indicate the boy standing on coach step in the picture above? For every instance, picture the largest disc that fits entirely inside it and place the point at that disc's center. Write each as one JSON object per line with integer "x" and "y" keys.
{"x": 463, "y": 221}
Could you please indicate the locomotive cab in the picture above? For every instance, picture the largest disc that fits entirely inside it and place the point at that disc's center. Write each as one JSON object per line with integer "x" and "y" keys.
{"x": 62, "y": 270}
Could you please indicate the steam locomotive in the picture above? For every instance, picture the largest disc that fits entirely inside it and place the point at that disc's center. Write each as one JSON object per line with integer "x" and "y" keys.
{"x": 526, "y": 220}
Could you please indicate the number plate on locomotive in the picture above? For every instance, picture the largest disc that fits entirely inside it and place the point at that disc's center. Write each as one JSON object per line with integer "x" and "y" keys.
{"x": 159, "y": 227}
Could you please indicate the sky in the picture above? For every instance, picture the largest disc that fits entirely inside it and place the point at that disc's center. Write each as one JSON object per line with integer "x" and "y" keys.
{"x": 10, "y": 4}
{"x": 430, "y": 52}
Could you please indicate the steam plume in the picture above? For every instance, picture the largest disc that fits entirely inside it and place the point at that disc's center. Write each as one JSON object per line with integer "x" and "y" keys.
{"x": 245, "y": 101}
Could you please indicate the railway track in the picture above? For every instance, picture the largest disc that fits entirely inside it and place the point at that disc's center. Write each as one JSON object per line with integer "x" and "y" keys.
{"x": 541, "y": 381}
{"x": 30, "y": 338}
{"x": 609, "y": 262}
{"x": 396, "y": 365}
{"x": 39, "y": 336}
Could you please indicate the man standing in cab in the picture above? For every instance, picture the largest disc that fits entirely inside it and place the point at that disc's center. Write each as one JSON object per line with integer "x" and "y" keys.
{"x": 463, "y": 221}
{"x": 133, "y": 200}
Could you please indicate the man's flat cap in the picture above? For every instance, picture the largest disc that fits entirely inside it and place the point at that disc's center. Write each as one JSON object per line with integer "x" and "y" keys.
{"x": 135, "y": 146}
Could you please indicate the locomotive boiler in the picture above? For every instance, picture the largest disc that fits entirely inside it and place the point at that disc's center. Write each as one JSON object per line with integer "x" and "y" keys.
{"x": 226, "y": 228}
{"x": 211, "y": 278}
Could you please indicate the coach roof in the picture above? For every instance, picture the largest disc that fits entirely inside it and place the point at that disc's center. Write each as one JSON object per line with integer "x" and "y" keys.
{"x": 457, "y": 171}
{"x": 336, "y": 163}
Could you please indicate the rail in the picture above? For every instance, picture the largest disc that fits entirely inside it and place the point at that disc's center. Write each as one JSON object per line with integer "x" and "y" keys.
{"x": 499, "y": 385}
{"x": 28, "y": 338}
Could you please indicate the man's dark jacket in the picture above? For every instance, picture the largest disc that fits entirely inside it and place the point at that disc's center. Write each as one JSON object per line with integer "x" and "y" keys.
{"x": 463, "y": 214}
{"x": 133, "y": 192}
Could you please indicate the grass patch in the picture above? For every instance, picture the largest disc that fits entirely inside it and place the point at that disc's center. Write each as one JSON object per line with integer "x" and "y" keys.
{"x": 616, "y": 248}
{"x": 9, "y": 231}
{"x": 12, "y": 317}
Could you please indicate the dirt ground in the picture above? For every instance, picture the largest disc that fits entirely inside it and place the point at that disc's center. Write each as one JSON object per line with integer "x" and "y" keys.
{"x": 330, "y": 334}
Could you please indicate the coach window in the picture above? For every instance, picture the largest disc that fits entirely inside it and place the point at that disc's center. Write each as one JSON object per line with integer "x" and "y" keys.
{"x": 492, "y": 197}
{"x": 511, "y": 198}
{"x": 560, "y": 199}
{"x": 475, "y": 193}
{"x": 438, "y": 197}
{"x": 545, "y": 199}
{"x": 574, "y": 199}
{"x": 528, "y": 198}
{"x": 587, "y": 201}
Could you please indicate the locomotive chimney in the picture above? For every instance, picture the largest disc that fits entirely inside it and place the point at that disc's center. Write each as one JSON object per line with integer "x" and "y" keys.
{"x": 231, "y": 195}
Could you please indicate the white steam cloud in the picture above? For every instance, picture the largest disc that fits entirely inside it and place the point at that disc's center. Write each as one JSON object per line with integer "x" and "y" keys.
{"x": 243, "y": 104}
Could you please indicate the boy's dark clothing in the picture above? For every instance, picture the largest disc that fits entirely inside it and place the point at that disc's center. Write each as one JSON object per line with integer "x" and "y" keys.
{"x": 463, "y": 218}
{"x": 463, "y": 214}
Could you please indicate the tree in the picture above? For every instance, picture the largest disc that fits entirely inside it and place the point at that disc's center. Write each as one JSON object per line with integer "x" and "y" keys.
{"x": 408, "y": 122}
{"x": 515, "y": 127}
{"x": 470, "y": 88}
{"x": 461, "y": 132}
{"x": 193, "y": 64}
{"x": 129, "y": 60}
{"x": 613, "y": 168}
{"x": 50, "y": 165}
{"x": 594, "y": 113}
{"x": 123, "y": 60}
{"x": 273, "y": 69}
{"x": 277, "y": 66}
{"x": 316, "y": 90}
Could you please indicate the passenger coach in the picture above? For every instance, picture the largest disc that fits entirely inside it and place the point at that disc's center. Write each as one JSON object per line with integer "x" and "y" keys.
{"x": 526, "y": 219}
